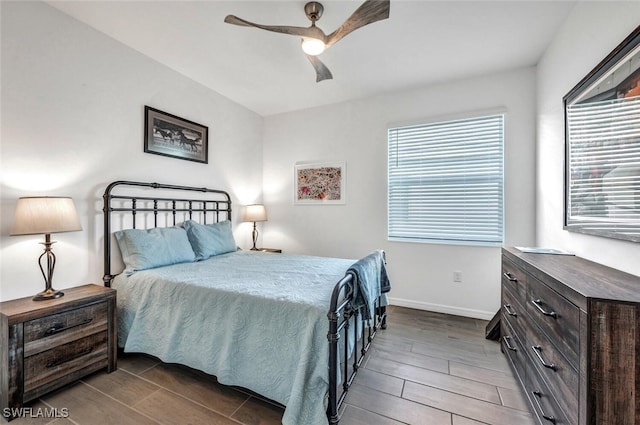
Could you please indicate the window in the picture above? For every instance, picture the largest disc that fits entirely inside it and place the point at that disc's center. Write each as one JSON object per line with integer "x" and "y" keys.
{"x": 446, "y": 181}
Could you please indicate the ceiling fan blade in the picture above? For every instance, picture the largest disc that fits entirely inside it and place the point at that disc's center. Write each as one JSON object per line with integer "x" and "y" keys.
{"x": 369, "y": 12}
{"x": 322, "y": 72}
{"x": 299, "y": 31}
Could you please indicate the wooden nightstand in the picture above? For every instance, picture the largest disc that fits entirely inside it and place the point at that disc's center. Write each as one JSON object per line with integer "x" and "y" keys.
{"x": 279, "y": 251}
{"x": 48, "y": 344}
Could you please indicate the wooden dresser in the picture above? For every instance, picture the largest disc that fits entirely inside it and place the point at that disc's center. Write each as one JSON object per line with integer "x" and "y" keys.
{"x": 571, "y": 331}
{"x": 47, "y": 344}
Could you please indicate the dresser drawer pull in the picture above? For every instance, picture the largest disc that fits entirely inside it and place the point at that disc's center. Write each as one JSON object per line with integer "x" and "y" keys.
{"x": 83, "y": 352}
{"x": 59, "y": 327}
{"x": 510, "y": 277}
{"x": 536, "y": 396}
{"x": 538, "y": 350}
{"x": 538, "y": 302}
{"x": 506, "y": 340}
{"x": 510, "y": 312}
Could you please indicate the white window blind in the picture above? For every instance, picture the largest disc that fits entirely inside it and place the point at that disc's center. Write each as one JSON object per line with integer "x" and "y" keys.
{"x": 604, "y": 162}
{"x": 446, "y": 181}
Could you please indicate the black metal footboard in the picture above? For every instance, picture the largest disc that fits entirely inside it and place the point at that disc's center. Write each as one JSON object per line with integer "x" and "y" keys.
{"x": 342, "y": 317}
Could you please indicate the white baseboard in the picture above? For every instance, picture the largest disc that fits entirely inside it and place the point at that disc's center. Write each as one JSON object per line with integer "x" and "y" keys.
{"x": 439, "y": 308}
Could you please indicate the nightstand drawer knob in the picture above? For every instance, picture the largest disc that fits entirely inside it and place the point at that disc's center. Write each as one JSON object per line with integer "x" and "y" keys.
{"x": 83, "y": 352}
{"x": 59, "y": 327}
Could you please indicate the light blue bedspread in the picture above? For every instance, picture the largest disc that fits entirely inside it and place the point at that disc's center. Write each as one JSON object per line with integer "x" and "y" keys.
{"x": 256, "y": 320}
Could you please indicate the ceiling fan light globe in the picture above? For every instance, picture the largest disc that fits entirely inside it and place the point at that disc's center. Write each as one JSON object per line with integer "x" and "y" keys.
{"x": 312, "y": 46}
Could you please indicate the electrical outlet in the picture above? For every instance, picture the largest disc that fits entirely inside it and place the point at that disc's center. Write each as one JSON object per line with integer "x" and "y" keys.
{"x": 457, "y": 277}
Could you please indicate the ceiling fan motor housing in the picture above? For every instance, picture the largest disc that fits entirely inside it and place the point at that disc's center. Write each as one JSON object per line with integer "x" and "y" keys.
{"x": 314, "y": 10}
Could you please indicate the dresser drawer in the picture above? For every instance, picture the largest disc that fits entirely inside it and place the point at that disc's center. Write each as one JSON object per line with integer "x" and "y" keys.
{"x": 514, "y": 350}
{"x": 56, "y": 329}
{"x": 513, "y": 312}
{"x": 556, "y": 370}
{"x": 544, "y": 404}
{"x": 58, "y": 362}
{"x": 514, "y": 279}
{"x": 558, "y": 318}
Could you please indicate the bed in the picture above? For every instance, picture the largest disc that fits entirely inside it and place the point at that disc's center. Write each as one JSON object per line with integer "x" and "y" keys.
{"x": 293, "y": 328}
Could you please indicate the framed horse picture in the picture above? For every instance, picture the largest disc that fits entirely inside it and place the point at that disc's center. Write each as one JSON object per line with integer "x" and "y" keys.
{"x": 168, "y": 135}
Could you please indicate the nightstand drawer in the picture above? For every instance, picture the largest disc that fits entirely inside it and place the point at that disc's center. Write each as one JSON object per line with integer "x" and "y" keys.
{"x": 63, "y": 360}
{"x": 49, "y": 331}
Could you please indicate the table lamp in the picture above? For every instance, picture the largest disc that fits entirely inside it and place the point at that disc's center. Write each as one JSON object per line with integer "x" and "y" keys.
{"x": 255, "y": 213}
{"x": 45, "y": 215}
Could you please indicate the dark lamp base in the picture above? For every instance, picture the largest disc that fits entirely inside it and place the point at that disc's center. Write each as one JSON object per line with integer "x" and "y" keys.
{"x": 48, "y": 294}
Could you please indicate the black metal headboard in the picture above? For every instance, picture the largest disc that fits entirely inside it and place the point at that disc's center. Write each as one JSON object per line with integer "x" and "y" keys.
{"x": 215, "y": 204}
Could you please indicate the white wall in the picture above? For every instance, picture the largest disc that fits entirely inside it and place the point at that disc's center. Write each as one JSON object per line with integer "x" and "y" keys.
{"x": 72, "y": 121}
{"x": 591, "y": 32}
{"x": 422, "y": 274}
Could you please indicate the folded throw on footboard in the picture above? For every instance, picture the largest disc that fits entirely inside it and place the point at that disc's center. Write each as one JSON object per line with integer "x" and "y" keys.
{"x": 371, "y": 279}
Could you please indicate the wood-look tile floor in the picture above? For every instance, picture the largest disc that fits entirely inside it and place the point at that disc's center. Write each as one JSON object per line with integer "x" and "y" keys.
{"x": 425, "y": 369}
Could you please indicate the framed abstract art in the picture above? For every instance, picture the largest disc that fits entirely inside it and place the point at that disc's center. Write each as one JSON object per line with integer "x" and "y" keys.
{"x": 320, "y": 183}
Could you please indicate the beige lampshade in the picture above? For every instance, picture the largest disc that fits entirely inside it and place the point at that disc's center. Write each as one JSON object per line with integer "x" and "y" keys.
{"x": 256, "y": 212}
{"x": 45, "y": 215}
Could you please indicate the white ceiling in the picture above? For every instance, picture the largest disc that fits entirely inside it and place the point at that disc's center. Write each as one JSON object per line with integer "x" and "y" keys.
{"x": 423, "y": 42}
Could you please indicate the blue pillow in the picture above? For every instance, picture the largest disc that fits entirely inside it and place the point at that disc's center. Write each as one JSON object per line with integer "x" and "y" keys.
{"x": 208, "y": 240}
{"x": 149, "y": 248}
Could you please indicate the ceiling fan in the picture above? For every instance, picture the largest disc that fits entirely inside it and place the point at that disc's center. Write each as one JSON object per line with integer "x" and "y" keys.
{"x": 314, "y": 40}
